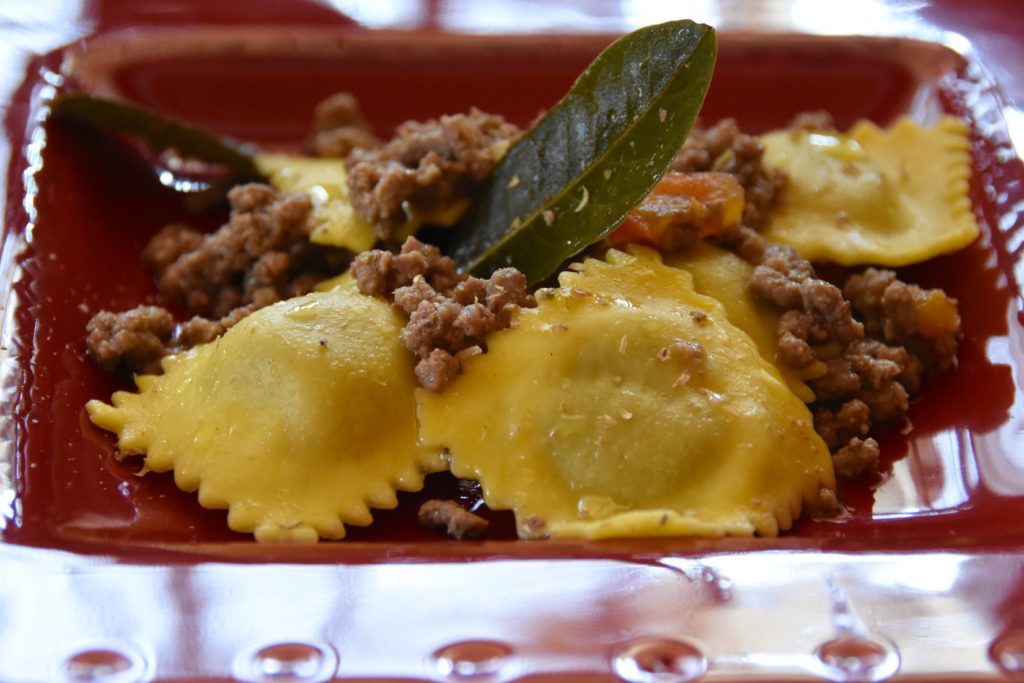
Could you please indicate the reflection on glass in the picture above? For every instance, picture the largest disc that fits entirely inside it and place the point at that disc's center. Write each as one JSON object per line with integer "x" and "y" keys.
{"x": 6, "y": 489}
{"x": 936, "y": 573}
{"x": 868, "y": 17}
{"x": 9, "y": 375}
{"x": 14, "y": 243}
{"x": 640, "y": 13}
{"x": 1014, "y": 119}
{"x": 496, "y": 16}
{"x": 939, "y": 474}
{"x": 1000, "y": 461}
{"x": 383, "y": 13}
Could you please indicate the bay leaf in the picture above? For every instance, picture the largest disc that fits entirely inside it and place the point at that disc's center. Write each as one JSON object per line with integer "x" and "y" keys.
{"x": 576, "y": 174}
{"x": 159, "y": 133}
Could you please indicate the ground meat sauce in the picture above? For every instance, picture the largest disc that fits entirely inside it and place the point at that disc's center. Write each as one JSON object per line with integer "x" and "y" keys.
{"x": 872, "y": 365}
{"x": 859, "y": 385}
{"x": 260, "y": 256}
{"x": 724, "y": 148}
{"x": 379, "y": 272}
{"x": 134, "y": 341}
{"x": 839, "y": 427}
{"x": 426, "y": 167}
{"x": 857, "y": 458}
{"x": 448, "y": 314}
{"x": 906, "y": 314}
{"x": 339, "y": 128}
{"x": 457, "y": 521}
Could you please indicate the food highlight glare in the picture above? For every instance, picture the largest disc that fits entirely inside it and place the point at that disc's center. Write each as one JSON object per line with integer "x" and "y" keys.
{"x": 707, "y": 383}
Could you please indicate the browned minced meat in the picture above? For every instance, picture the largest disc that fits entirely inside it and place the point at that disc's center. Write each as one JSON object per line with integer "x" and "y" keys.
{"x": 825, "y": 506}
{"x": 724, "y": 148}
{"x": 198, "y": 330}
{"x": 442, "y": 328}
{"x": 891, "y": 311}
{"x": 426, "y": 166}
{"x": 457, "y": 521}
{"x": 449, "y": 314}
{"x": 857, "y": 458}
{"x": 796, "y": 331}
{"x": 379, "y": 273}
{"x": 135, "y": 340}
{"x": 880, "y": 375}
{"x": 872, "y": 367}
{"x": 838, "y": 427}
{"x": 168, "y": 244}
{"x": 339, "y": 128}
{"x": 815, "y": 310}
{"x": 260, "y": 256}
{"x": 436, "y": 369}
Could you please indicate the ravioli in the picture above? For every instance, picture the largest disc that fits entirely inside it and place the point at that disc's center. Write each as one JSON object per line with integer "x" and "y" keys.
{"x": 887, "y": 197}
{"x": 297, "y": 420}
{"x": 627, "y": 404}
{"x": 722, "y": 275}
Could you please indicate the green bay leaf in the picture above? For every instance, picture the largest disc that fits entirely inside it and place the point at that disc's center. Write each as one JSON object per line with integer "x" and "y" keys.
{"x": 576, "y": 174}
{"x": 159, "y": 132}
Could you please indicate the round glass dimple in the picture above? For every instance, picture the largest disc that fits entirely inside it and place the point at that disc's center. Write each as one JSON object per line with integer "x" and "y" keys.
{"x": 104, "y": 665}
{"x": 1008, "y": 653}
{"x": 660, "y": 660}
{"x": 854, "y": 659}
{"x": 294, "y": 661}
{"x": 472, "y": 659}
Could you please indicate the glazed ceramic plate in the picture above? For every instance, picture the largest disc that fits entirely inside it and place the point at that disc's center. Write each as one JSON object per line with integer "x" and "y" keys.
{"x": 107, "y": 576}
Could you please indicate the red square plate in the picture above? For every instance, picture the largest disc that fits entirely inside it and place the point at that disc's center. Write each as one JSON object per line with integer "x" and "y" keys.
{"x": 108, "y": 577}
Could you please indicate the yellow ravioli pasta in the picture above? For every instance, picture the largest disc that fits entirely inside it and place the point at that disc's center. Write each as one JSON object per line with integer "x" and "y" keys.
{"x": 888, "y": 197}
{"x": 297, "y": 420}
{"x": 722, "y": 275}
{"x": 628, "y": 404}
